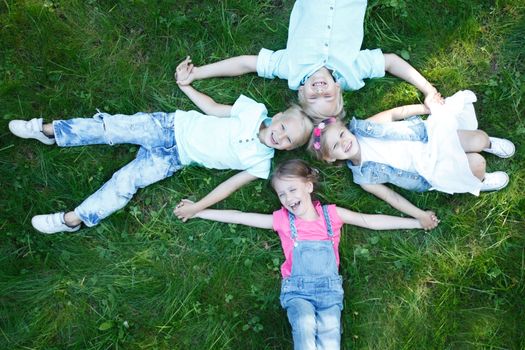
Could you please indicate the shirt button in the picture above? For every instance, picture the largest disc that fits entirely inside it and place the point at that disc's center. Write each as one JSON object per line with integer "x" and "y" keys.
{"x": 329, "y": 27}
{"x": 326, "y": 44}
{"x": 247, "y": 140}
{"x": 331, "y": 7}
{"x": 240, "y": 141}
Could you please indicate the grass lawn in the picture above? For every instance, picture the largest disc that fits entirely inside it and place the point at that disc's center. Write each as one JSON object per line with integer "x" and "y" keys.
{"x": 144, "y": 280}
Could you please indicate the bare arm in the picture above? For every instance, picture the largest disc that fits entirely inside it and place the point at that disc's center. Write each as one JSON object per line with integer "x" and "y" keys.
{"x": 187, "y": 209}
{"x": 399, "y": 113}
{"x": 237, "y": 217}
{"x": 376, "y": 222}
{"x": 203, "y": 101}
{"x": 427, "y": 219}
{"x": 400, "y": 68}
{"x": 229, "y": 67}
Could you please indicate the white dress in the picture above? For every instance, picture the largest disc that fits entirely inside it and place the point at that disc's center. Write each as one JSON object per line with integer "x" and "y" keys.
{"x": 443, "y": 162}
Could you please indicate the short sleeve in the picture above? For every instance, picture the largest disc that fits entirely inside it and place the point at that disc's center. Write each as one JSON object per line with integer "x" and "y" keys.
{"x": 280, "y": 220}
{"x": 271, "y": 64}
{"x": 261, "y": 169}
{"x": 246, "y": 104}
{"x": 337, "y": 222}
{"x": 370, "y": 64}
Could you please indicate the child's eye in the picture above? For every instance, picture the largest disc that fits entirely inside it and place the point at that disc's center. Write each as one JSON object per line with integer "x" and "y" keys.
{"x": 289, "y": 140}
{"x": 292, "y": 190}
{"x": 333, "y": 148}
{"x": 282, "y": 127}
{"x": 341, "y": 134}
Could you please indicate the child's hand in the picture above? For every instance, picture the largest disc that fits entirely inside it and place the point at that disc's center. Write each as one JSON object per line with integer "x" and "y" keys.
{"x": 433, "y": 99}
{"x": 184, "y": 75}
{"x": 429, "y": 220}
{"x": 185, "y": 210}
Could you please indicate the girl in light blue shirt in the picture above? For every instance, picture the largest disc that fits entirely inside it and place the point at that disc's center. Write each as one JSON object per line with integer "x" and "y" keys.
{"x": 322, "y": 58}
{"x": 229, "y": 137}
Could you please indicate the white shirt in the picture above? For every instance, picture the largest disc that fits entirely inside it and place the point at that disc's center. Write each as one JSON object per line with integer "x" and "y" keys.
{"x": 399, "y": 154}
{"x": 225, "y": 143}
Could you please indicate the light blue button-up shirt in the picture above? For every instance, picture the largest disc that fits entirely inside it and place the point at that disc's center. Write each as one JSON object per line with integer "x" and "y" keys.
{"x": 325, "y": 33}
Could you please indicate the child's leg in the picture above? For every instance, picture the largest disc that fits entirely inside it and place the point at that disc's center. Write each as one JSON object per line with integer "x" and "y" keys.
{"x": 147, "y": 168}
{"x": 473, "y": 140}
{"x": 329, "y": 328}
{"x": 301, "y": 315}
{"x": 477, "y": 165}
{"x": 145, "y": 129}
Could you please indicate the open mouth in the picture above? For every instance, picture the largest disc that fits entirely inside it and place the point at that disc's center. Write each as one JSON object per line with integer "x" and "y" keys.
{"x": 294, "y": 205}
{"x": 319, "y": 85}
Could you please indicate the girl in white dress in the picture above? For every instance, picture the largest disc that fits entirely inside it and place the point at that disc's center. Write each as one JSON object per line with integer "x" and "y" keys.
{"x": 396, "y": 146}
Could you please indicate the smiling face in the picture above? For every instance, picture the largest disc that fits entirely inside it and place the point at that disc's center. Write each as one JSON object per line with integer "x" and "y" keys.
{"x": 321, "y": 94}
{"x": 286, "y": 132}
{"x": 295, "y": 195}
{"x": 340, "y": 144}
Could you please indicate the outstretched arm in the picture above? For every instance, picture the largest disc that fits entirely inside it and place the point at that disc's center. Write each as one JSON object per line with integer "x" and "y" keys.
{"x": 237, "y": 217}
{"x": 187, "y": 209}
{"x": 203, "y": 101}
{"x": 427, "y": 219}
{"x": 229, "y": 67}
{"x": 399, "y": 113}
{"x": 376, "y": 222}
{"x": 400, "y": 68}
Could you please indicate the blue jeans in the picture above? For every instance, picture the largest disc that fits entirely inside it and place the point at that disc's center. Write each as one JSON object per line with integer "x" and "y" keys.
{"x": 314, "y": 308}
{"x": 156, "y": 159}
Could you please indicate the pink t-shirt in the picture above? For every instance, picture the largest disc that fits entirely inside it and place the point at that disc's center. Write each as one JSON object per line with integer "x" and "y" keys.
{"x": 306, "y": 231}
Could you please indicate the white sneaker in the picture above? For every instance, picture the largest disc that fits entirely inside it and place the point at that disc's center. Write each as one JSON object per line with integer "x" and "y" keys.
{"x": 494, "y": 181}
{"x": 30, "y": 129}
{"x": 52, "y": 223}
{"x": 501, "y": 147}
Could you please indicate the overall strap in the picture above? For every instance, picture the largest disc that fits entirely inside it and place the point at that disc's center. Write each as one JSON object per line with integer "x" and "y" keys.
{"x": 328, "y": 222}
{"x": 293, "y": 229}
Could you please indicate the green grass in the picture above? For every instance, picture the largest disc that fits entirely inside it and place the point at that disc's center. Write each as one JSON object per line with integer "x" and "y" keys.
{"x": 143, "y": 280}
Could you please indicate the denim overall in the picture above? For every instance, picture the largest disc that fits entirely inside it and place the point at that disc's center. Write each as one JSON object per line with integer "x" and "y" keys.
{"x": 370, "y": 172}
{"x": 313, "y": 294}
{"x": 156, "y": 159}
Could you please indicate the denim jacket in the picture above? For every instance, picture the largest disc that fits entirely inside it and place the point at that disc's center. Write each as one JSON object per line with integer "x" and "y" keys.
{"x": 412, "y": 129}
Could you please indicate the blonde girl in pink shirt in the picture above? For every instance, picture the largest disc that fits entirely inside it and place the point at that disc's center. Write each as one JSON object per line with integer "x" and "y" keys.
{"x": 311, "y": 289}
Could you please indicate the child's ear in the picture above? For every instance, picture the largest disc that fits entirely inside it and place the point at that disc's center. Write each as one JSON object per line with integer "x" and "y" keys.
{"x": 310, "y": 186}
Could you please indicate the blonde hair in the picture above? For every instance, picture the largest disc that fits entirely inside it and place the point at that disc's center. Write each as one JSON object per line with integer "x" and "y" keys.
{"x": 295, "y": 111}
{"x": 315, "y": 116}
{"x": 322, "y": 151}
{"x": 296, "y": 168}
